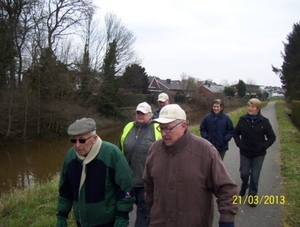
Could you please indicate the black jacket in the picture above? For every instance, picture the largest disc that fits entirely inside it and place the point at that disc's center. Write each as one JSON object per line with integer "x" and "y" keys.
{"x": 253, "y": 137}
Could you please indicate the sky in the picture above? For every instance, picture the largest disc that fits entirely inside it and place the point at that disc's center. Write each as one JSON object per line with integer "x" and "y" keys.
{"x": 220, "y": 40}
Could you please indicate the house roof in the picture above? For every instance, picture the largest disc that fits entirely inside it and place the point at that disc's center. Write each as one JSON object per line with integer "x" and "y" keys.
{"x": 214, "y": 88}
{"x": 168, "y": 84}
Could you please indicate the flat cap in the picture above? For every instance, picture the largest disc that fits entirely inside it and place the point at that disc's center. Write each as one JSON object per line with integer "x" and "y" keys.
{"x": 82, "y": 126}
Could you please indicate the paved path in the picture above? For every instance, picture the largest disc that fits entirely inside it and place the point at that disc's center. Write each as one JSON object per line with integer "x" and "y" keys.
{"x": 269, "y": 184}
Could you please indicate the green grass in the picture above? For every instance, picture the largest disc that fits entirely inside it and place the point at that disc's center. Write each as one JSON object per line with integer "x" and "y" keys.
{"x": 36, "y": 206}
{"x": 290, "y": 165}
{"x": 33, "y": 207}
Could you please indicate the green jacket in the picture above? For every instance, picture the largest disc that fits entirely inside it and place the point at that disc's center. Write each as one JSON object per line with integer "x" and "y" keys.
{"x": 106, "y": 192}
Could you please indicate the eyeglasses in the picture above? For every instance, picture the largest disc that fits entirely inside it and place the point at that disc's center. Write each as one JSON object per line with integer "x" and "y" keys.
{"x": 80, "y": 140}
{"x": 167, "y": 129}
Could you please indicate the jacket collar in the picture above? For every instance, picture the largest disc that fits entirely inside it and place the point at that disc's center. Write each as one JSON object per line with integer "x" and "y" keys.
{"x": 179, "y": 145}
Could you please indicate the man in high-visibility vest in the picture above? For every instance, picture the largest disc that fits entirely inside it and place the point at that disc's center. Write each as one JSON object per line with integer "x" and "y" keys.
{"x": 136, "y": 139}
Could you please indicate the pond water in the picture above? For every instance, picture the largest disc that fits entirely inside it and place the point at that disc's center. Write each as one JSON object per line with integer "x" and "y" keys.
{"x": 25, "y": 164}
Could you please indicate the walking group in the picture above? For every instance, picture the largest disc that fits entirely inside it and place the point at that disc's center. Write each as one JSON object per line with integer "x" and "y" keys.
{"x": 172, "y": 175}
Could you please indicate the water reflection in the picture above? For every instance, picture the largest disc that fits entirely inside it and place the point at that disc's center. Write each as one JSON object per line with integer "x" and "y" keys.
{"x": 25, "y": 164}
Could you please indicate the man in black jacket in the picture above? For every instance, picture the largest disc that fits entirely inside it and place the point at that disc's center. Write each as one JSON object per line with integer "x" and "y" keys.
{"x": 253, "y": 135}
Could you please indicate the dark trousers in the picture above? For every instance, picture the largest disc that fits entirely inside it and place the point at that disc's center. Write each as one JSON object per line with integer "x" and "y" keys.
{"x": 250, "y": 168}
{"x": 142, "y": 210}
{"x": 222, "y": 154}
{"x": 111, "y": 224}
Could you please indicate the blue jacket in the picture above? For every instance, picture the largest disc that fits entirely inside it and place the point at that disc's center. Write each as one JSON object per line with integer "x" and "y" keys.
{"x": 217, "y": 129}
{"x": 156, "y": 113}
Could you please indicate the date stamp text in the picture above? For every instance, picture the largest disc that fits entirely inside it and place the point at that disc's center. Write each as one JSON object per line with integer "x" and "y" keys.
{"x": 259, "y": 199}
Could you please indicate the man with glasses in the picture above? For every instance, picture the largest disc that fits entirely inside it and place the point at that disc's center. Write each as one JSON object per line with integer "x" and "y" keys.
{"x": 136, "y": 139}
{"x": 95, "y": 180}
{"x": 183, "y": 172}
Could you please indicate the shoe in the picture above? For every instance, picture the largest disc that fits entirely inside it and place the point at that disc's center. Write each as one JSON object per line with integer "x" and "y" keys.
{"x": 252, "y": 204}
{"x": 242, "y": 192}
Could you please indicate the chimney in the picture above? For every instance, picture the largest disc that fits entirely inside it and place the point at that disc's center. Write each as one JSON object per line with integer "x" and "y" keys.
{"x": 168, "y": 81}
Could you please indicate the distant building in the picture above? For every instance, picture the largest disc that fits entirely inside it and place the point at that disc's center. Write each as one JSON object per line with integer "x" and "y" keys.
{"x": 274, "y": 91}
{"x": 171, "y": 87}
{"x": 208, "y": 87}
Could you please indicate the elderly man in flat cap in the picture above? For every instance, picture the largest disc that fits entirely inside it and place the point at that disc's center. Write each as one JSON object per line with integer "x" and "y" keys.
{"x": 95, "y": 180}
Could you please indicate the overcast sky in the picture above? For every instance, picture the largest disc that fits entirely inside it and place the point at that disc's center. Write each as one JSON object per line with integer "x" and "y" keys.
{"x": 221, "y": 40}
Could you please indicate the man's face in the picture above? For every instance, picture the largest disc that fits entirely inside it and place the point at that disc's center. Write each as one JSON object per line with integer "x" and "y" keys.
{"x": 217, "y": 108}
{"x": 162, "y": 104}
{"x": 83, "y": 143}
{"x": 142, "y": 118}
{"x": 171, "y": 132}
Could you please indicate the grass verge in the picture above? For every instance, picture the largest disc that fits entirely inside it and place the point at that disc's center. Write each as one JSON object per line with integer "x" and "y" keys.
{"x": 290, "y": 165}
{"x": 33, "y": 207}
{"x": 36, "y": 206}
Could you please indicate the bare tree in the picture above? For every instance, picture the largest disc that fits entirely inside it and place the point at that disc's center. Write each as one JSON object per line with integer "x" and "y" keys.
{"x": 188, "y": 84}
{"x": 16, "y": 23}
{"x": 62, "y": 15}
{"x": 224, "y": 82}
{"x": 97, "y": 44}
{"x": 116, "y": 31}
{"x": 251, "y": 81}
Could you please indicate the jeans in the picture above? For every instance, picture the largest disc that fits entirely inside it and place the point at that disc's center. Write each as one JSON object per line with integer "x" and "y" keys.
{"x": 142, "y": 210}
{"x": 250, "y": 168}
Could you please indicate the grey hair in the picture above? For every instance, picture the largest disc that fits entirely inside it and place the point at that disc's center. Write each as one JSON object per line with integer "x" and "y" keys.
{"x": 179, "y": 121}
{"x": 93, "y": 133}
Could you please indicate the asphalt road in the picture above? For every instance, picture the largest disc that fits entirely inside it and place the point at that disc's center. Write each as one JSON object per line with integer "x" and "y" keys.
{"x": 269, "y": 190}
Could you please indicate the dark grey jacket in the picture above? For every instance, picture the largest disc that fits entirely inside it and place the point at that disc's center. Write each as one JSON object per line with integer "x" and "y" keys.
{"x": 156, "y": 113}
{"x": 135, "y": 145}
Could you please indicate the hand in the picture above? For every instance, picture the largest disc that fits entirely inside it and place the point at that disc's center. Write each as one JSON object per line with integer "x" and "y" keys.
{"x": 121, "y": 222}
{"x": 226, "y": 224}
{"x": 61, "y": 222}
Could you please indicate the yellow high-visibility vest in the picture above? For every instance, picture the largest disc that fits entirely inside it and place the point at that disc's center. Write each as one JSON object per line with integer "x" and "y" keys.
{"x": 128, "y": 127}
